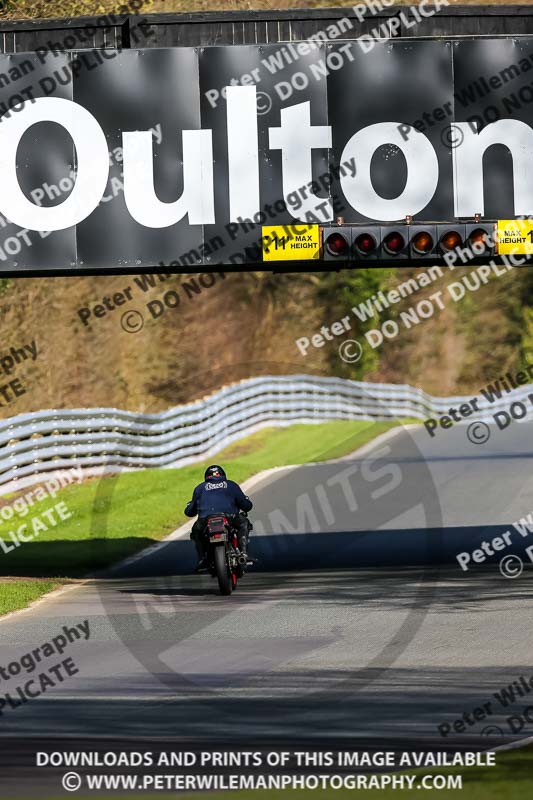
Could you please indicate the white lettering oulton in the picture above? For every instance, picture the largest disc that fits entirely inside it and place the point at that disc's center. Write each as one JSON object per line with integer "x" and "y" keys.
{"x": 296, "y": 138}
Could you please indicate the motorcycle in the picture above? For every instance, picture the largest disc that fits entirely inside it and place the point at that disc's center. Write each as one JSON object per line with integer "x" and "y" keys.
{"x": 225, "y": 560}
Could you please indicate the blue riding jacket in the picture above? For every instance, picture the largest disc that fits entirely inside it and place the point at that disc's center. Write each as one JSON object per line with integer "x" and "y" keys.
{"x": 217, "y": 496}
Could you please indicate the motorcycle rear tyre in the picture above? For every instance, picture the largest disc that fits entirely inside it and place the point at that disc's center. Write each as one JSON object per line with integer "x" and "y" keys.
{"x": 223, "y": 574}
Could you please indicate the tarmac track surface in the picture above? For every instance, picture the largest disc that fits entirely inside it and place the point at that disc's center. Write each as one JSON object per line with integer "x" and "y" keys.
{"x": 343, "y": 636}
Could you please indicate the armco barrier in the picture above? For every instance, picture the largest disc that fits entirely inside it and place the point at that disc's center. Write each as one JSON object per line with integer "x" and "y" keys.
{"x": 107, "y": 437}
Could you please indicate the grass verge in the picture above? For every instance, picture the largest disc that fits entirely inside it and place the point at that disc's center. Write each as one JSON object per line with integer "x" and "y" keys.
{"x": 17, "y": 593}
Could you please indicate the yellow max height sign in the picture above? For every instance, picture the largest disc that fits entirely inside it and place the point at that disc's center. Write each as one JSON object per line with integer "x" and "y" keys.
{"x": 291, "y": 242}
{"x": 514, "y": 236}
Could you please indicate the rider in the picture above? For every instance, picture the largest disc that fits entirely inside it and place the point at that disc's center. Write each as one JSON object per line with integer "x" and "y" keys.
{"x": 218, "y": 495}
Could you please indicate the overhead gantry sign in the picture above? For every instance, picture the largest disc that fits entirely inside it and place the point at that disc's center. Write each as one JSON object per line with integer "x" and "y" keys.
{"x": 128, "y": 163}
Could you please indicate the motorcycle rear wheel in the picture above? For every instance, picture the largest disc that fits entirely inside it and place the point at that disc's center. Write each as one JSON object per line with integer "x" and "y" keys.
{"x": 225, "y": 582}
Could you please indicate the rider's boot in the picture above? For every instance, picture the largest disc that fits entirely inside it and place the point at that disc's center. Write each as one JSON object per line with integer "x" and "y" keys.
{"x": 202, "y": 563}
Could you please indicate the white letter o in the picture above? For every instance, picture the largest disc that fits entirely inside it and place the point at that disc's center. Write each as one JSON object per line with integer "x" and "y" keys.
{"x": 422, "y": 171}
{"x": 92, "y": 165}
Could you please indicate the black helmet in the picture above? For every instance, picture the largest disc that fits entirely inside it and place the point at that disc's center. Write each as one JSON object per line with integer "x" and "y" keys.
{"x": 214, "y": 472}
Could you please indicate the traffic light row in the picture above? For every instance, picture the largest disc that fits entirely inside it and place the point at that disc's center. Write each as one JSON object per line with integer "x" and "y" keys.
{"x": 384, "y": 242}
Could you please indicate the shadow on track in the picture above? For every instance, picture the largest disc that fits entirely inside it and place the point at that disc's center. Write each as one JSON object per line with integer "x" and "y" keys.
{"x": 334, "y": 550}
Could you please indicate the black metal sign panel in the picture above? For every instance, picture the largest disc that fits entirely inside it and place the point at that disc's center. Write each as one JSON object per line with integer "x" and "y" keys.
{"x": 177, "y": 157}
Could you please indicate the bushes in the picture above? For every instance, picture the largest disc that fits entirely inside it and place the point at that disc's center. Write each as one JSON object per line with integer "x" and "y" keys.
{"x": 48, "y": 9}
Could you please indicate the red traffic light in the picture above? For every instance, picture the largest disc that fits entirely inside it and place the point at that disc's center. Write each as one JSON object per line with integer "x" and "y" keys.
{"x": 451, "y": 240}
{"x": 365, "y": 243}
{"x": 337, "y": 245}
{"x": 422, "y": 243}
{"x": 393, "y": 243}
